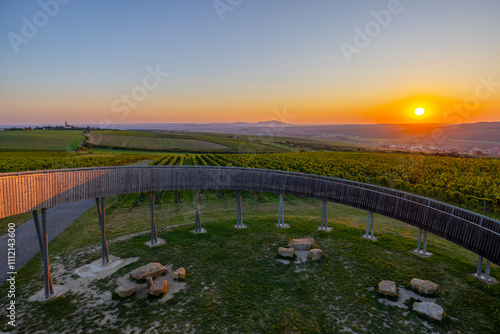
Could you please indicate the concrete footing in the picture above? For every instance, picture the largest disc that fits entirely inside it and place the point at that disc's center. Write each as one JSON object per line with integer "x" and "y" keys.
{"x": 369, "y": 237}
{"x": 159, "y": 242}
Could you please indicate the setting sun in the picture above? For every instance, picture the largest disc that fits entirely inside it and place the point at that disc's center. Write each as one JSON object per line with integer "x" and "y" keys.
{"x": 419, "y": 111}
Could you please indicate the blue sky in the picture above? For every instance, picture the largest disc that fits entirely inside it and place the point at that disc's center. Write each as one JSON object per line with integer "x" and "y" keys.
{"x": 264, "y": 55}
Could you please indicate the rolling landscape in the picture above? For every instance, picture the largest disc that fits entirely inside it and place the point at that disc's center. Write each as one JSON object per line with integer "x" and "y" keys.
{"x": 249, "y": 167}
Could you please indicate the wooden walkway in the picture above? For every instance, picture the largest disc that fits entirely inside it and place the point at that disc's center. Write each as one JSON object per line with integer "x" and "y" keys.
{"x": 29, "y": 191}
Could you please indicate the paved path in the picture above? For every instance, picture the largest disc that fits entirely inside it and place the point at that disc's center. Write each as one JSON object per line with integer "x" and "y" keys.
{"x": 58, "y": 219}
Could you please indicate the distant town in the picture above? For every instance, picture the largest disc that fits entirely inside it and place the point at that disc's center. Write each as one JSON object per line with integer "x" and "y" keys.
{"x": 445, "y": 150}
{"x": 66, "y": 126}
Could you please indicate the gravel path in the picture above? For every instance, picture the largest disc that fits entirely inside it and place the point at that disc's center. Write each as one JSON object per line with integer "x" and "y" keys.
{"x": 58, "y": 219}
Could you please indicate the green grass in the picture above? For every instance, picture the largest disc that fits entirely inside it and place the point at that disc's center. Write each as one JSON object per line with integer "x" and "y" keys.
{"x": 57, "y": 140}
{"x": 236, "y": 285}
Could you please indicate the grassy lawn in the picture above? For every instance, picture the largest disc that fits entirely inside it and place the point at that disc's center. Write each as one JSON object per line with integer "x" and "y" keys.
{"x": 58, "y": 140}
{"x": 235, "y": 283}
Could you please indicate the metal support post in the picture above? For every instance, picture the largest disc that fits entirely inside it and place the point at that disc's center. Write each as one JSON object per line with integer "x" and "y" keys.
{"x": 373, "y": 223}
{"x": 422, "y": 235}
{"x": 197, "y": 224}
{"x": 479, "y": 274}
{"x": 239, "y": 218}
{"x": 324, "y": 219}
{"x": 479, "y": 267}
{"x": 487, "y": 270}
{"x": 154, "y": 238}
{"x": 367, "y": 234}
{"x": 43, "y": 242}
{"x": 281, "y": 215}
{"x": 425, "y": 242}
{"x": 369, "y": 227}
{"x": 104, "y": 244}
{"x": 419, "y": 240}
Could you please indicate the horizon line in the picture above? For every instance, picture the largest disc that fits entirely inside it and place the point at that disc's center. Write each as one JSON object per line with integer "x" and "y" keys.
{"x": 245, "y": 122}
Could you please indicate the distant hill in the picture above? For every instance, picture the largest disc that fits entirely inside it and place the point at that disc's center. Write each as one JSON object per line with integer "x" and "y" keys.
{"x": 484, "y": 134}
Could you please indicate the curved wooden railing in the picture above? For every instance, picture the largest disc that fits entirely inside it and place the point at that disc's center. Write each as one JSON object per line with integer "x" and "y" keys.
{"x": 27, "y": 191}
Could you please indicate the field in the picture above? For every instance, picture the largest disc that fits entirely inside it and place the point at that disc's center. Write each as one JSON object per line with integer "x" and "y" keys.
{"x": 236, "y": 281}
{"x": 139, "y": 142}
{"x": 180, "y": 142}
{"x": 58, "y": 140}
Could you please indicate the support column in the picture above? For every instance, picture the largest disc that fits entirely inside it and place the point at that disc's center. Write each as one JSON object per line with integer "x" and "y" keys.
{"x": 197, "y": 223}
{"x": 487, "y": 271}
{"x": 486, "y": 277}
{"x": 479, "y": 267}
{"x": 419, "y": 241}
{"x": 43, "y": 242}
{"x": 422, "y": 234}
{"x": 324, "y": 219}
{"x": 425, "y": 243}
{"x": 154, "y": 237}
{"x": 281, "y": 214}
{"x": 239, "y": 218}
{"x": 104, "y": 244}
{"x": 369, "y": 228}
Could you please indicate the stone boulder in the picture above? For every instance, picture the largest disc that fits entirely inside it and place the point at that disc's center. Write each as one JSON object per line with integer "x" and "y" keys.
{"x": 158, "y": 288}
{"x": 180, "y": 273}
{"x": 316, "y": 254}
{"x": 430, "y": 310}
{"x": 424, "y": 287}
{"x": 286, "y": 252}
{"x": 151, "y": 269}
{"x": 387, "y": 288}
{"x": 125, "y": 290}
{"x": 149, "y": 281}
{"x": 301, "y": 244}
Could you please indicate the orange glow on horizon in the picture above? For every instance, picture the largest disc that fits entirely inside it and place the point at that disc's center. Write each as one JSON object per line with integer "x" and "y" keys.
{"x": 304, "y": 109}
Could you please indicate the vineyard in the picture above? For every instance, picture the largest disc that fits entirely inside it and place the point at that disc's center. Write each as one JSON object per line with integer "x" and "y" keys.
{"x": 473, "y": 183}
{"x": 16, "y": 161}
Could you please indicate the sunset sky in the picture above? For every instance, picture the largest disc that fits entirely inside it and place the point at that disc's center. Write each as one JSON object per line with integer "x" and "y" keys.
{"x": 296, "y": 61}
